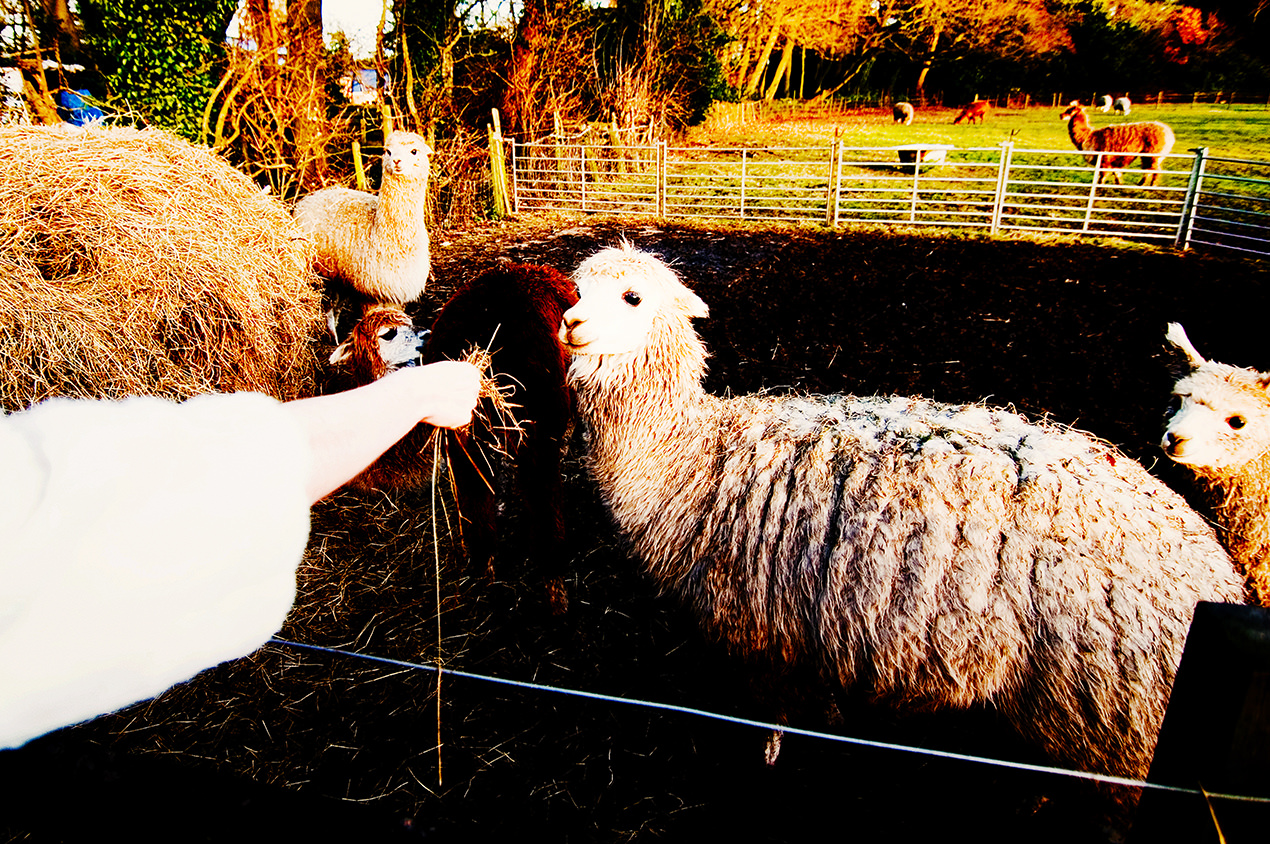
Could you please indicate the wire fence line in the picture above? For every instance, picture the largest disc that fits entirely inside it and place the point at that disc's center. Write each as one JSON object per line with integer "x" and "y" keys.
{"x": 767, "y": 725}
{"x": 1198, "y": 200}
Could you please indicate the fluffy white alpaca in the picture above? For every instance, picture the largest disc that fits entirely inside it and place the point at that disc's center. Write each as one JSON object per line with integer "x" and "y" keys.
{"x": 945, "y": 555}
{"x": 1218, "y": 426}
{"x": 377, "y": 243}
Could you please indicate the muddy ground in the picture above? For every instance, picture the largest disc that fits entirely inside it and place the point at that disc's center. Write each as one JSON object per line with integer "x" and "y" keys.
{"x": 302, "y": 745}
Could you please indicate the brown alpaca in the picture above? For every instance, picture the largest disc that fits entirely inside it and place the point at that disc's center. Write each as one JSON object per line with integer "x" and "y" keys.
{"x": 1150, "y": 139}
{"x": 902, "y": 113}
{"x": 977, "y": 110}
{"x": 514, "y": 311}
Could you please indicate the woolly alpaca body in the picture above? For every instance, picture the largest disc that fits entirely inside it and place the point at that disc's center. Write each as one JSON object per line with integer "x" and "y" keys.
{"x": 515, "y": 311}
{"x": 1151, "y": 139}
{"x": 946, "y": 555}
{"x": 977, "y": 110}
{"x": 902, "y": 113}
{"x": 377, "y": 243}
{"x": 1218, "y": 426}
{"x": 1122, "y": 105}
{"x": 1104, "y": 103}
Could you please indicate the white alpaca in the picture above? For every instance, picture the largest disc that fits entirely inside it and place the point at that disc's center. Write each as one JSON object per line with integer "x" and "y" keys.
{"x": 377, "y": 243}
{"x": 1218, "y": 426}
{"x": 1104, "y": 103}
{"x": 945, "y": 555}
{"x": 1122, "y": 105}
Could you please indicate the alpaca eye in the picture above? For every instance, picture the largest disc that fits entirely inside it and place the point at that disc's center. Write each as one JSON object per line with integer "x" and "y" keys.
{"x": 1175, "y": 404}
{"x": 389, "y": 335}
{"x": 631, "y": 298}
{"x": 1236, "y": 422}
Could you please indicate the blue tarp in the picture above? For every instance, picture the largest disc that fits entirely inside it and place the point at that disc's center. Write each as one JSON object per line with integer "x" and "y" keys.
{"x": 72, "y": 108}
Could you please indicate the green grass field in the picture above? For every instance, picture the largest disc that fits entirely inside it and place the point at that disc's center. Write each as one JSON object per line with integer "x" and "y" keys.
{"x": 1232, "y": 131}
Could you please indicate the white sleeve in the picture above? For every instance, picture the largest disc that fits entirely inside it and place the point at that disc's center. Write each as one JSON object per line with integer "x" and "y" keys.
{"x": 141, "y": 541}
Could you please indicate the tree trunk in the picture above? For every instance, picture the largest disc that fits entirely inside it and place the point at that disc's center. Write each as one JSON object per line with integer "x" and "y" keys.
{"x": 760, "y": 66}
{"x": 928, "y": 60}
{"x": 515, "y": 104}
{"x": 782, "y": 70}
{"x": 306, "y": 60}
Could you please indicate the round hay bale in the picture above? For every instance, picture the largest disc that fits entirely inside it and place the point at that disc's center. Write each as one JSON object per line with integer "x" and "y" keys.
{"x": 133, "y": 262}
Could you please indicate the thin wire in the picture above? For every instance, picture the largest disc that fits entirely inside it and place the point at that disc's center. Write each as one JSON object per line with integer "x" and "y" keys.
{"x": 749, "y": 722}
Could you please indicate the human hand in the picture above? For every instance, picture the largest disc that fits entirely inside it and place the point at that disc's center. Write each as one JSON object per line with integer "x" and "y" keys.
{"x": 451, "y": 391}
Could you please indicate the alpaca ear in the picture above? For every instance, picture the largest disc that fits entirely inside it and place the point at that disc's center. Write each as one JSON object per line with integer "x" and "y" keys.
{"x": 342, "y": 352}
{"x": 1184, "y": 359}
{"x": 692, "y": 304}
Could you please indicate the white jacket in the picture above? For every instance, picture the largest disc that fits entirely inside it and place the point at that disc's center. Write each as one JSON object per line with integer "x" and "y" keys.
{"x": 141, "y": 541}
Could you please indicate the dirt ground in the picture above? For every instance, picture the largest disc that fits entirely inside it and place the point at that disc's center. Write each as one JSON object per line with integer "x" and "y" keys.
{"x": 293, "y": 744}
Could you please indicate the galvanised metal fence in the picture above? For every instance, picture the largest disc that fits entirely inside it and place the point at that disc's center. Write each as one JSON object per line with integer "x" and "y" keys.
{"x": 1198, "y": 199}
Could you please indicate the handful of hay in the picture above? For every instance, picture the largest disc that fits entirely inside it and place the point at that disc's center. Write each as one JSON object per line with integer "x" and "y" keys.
{"x": 133, "y": 262}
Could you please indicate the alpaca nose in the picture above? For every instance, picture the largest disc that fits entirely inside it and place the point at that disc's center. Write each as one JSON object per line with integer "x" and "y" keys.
{"x": 1172, "y": 442}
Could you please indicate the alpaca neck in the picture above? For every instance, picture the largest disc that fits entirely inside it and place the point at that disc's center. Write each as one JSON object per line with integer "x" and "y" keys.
{"x": 1242, "y": 511}
{"x": 401, "y": 205}
{"x": 650, "y": 421}
{"x": 1079, "y": 131}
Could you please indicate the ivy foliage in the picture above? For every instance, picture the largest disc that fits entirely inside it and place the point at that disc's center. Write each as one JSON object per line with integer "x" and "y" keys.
{"x": 159, "y": 57}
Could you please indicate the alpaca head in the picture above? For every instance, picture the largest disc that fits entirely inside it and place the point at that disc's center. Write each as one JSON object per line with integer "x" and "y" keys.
{"x": 1074, "y": 108}
{"x": 1219, "y": 416}
{"x": 406, "y": 156}
{"x": 625, "y": 297}
{"x": 384, "y": 339}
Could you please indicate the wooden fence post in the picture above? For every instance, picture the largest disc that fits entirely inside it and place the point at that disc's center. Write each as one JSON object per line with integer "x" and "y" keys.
{"x": 359, "y": 171}
{"x": 497, "y": 168}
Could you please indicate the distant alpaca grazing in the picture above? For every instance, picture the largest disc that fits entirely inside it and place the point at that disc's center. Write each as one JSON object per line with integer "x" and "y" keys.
{"x": 902, "y": 113}
{"x": 1104, "y": 103}
{"x": 1218, "y": 426}
{"x": 945, "y": 555}
{"x": 514, "y": 310}
{"x": 1122, "y": 105}
{"x": 977, "y": 110}
{"x": 1123, "y": 142}
{"x": 377, "y": 243}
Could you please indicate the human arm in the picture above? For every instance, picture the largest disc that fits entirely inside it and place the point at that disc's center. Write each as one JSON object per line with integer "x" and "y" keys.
{"x": 142, "y": 541}
{"x": 348, "y": 431}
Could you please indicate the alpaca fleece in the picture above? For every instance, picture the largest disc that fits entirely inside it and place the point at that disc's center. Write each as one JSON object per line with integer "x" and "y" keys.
{"x": 1218, "y": 426}
{"x": 944, "y": 555}
{"x": 514, "y": 311}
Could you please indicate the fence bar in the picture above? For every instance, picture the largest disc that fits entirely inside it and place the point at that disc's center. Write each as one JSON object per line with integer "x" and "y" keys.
{"x": 1183, "y": 239}
{"x": 1003, "y": 179}
{"x": 835, "y": 184}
